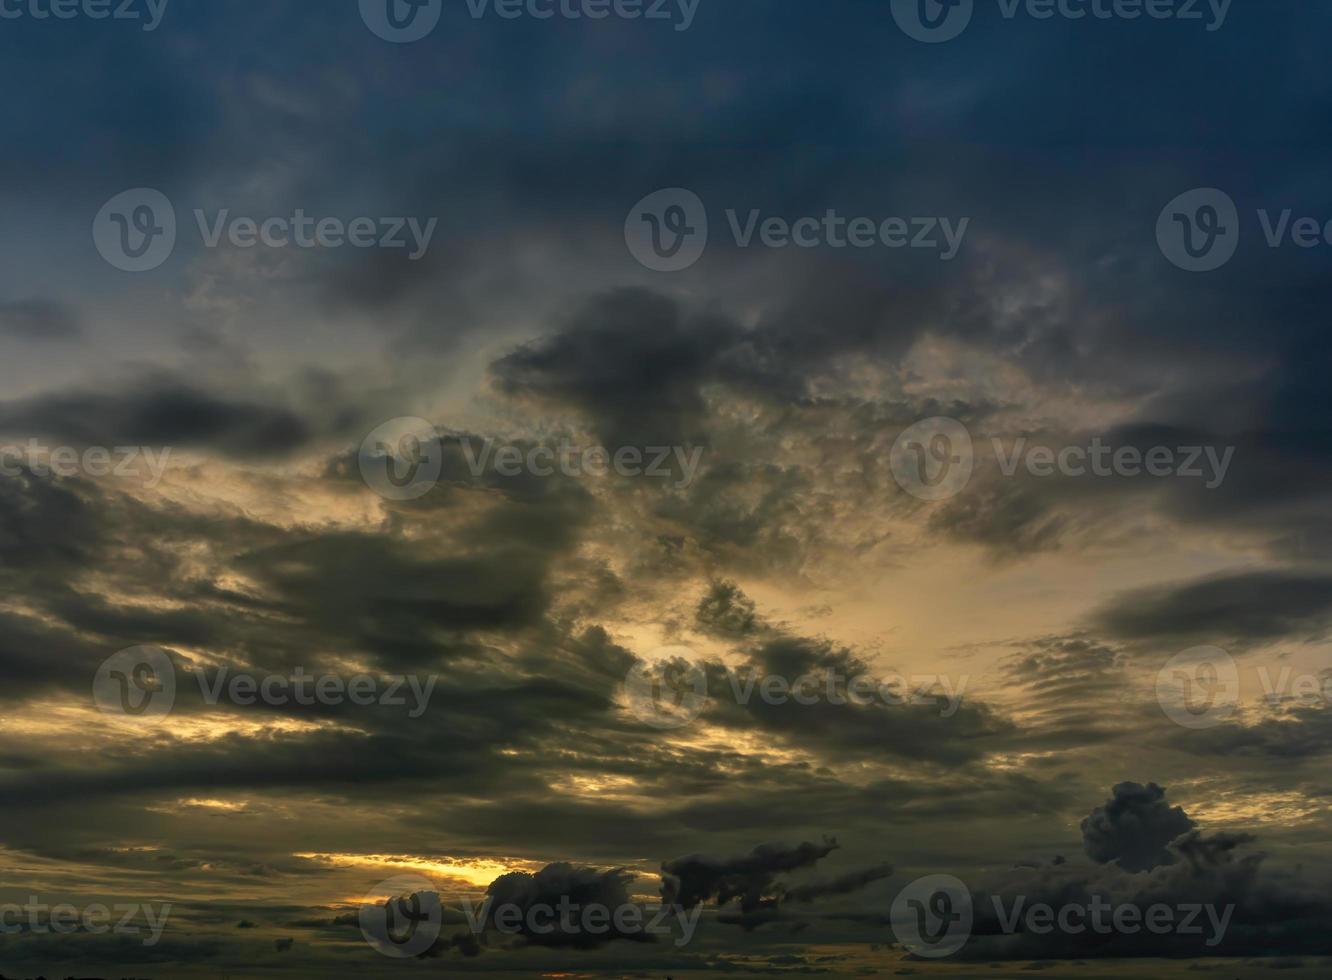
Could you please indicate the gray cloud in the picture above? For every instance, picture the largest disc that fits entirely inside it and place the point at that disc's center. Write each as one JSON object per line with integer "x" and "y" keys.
{"x": 1134, "y": 828}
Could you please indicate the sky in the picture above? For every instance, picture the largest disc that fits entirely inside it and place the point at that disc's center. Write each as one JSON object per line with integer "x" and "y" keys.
{"x": 834, "y": 479}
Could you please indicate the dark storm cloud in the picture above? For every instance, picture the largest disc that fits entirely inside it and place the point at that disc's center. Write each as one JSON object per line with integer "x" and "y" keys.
{"x": 379, "y": 593}
{"x": 753, "y": 884}
{"x": 48, "y": 527}
{"x": 1134, "y": 828}
{"x": 38, "y": 320}
{"x": 467, "y": 462}
{"x": 726, "y": 611}
{"x": 1267, "y": 912}
{"x": 1071, "y": 692}
{"x": 159, "y": 411}
{"x": 1004, "y": 516}
{"x": 852, "y": 881}
{"x": 582, "y": 887}
{"x": 100, "y": 951}
{"x": 929, "y": 718}
{"x": 402, "y": 601}
{"x": 750, "y": 878}
{"x": 1252, "y": 606}
{"x": 1073, "y": 668}
{"x": 1263, "y": 476}
{"x": 1287, "y": 732}
{"x": 337, "y": 761}
{"x": 632, "y": 361}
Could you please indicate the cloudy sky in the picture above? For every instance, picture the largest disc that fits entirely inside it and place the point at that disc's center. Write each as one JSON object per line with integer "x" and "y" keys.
{"x": 984, "y": 374}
